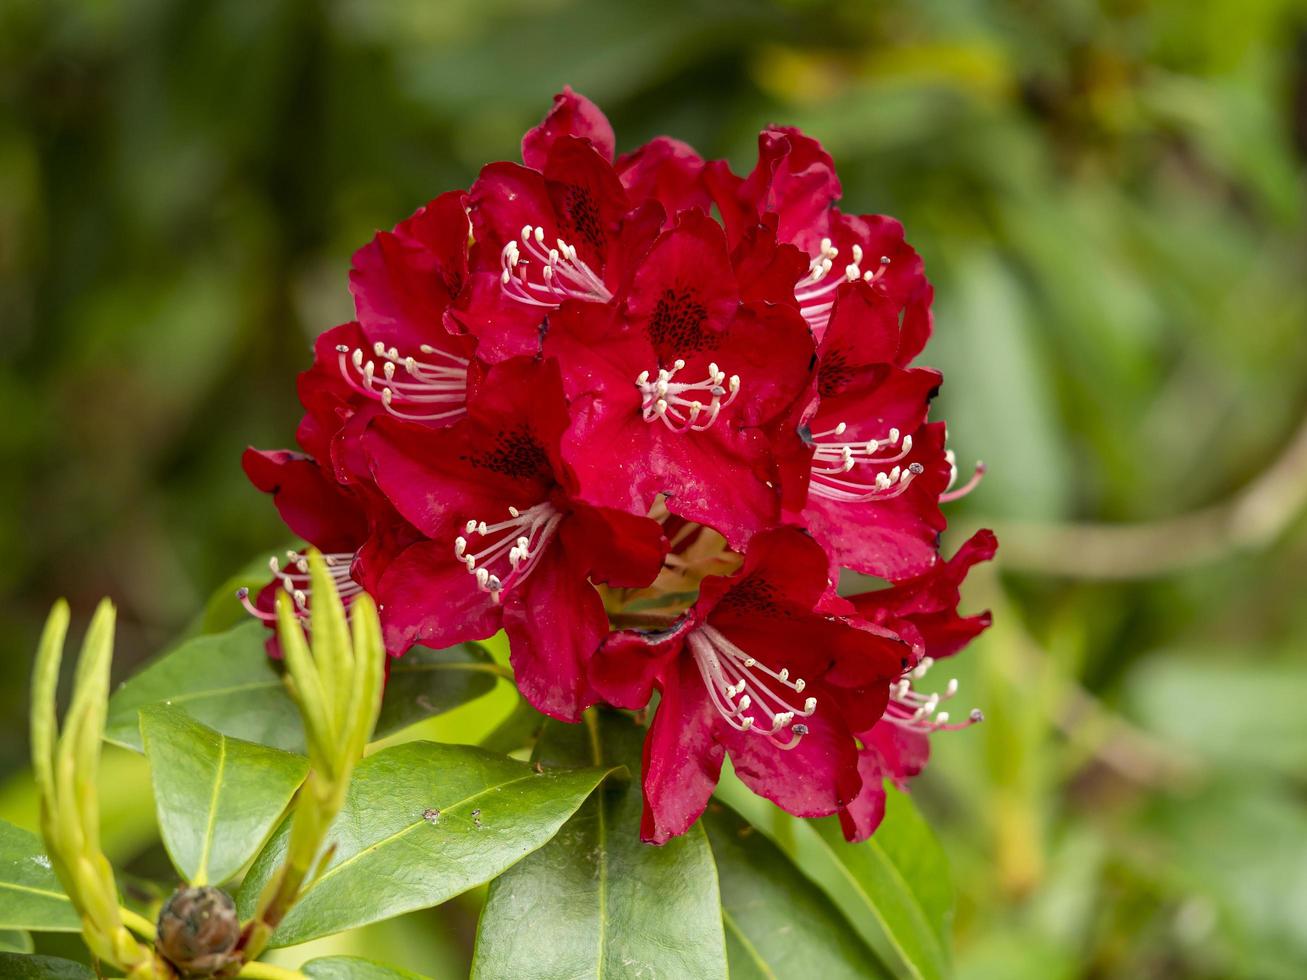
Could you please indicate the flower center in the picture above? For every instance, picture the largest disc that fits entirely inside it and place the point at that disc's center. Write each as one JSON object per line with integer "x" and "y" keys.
{"x": 816, "y": 291}
{"x": 856, "y": 472}
{"x": 750, "y": 696}
{"x": 294, "y": 578}
{"x": 562, "y": 275}
{"x": 419, "y": 391}
{"x": 919, "y": 712}
{"x": 510, "y": 549}
{"x": 680, "y": 404}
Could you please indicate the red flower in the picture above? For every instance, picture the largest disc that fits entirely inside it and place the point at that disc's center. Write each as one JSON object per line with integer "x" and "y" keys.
{"x": 755, "y": 670}
{"x": 923, "y": 610}
{"x": 553, "y": 373}
{"x": 333, "y": 519}
{"x": 564, "y": 231}
{"x": 678, "y": 392}
{"x": 506, "y": 540}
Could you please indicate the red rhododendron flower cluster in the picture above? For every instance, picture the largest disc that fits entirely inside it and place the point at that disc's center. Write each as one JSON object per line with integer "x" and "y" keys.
{"x": 577, "y": 407}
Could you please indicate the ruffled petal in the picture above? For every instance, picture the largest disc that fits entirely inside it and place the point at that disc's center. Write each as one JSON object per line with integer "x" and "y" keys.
{"x": 402, "y": 281}
{"x": 629, "y": 663}
{"x": 684, "y": 294}
{"x": 682, "y": 758}
{"x": 426, "y": 596}
{"x": 572, "y": 114}
{"x": 613, "y": 547}
{"x": 555, "y": 622}
{"x": 813, "y": 779}
{"x": 667, "y": 171}
{"x": 313, "y": 506}
{"x": 929, "y": 601}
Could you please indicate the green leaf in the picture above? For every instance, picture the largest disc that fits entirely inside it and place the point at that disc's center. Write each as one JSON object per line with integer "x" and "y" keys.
{"x": 223, "y": 680}
{"x": 894, "y": 888}
{"x": 519, "y": 728}
{"x": 778, "y": 923}
{"x": 17, "y": 966}
{"x": 427, "y": 682}
{"x": 422, "y": 822}
{"x": 595, "y": 900}
{"x": 227, "y": 682}
{"x": 1232, "y": 700}
{"x": 30, "y": 894}
{"x": 355, "y": 968}
{"x": 15, "y": 941}
{"x": 217, "y": 797}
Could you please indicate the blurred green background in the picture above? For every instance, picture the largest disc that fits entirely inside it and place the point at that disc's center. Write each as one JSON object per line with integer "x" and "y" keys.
{"x": 1110, "y": 198}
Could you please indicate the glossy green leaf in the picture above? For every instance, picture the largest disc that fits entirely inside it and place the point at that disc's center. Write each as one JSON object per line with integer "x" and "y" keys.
{"x": 227, "y": 682}
{"x": 19, "y": 966}
{"x": 422, "y": 822}
{"x": 217, "y": 797}
{"x": 778, "y": 924}
{"x": 30, "y": 894}
{"x": 894, "y": 888}
{"x": 15, "y": 941}
{"x": 355, "y": 968}
{"x": 223, "y": 680}
{"x": 596, "y": 901}
{"x": 425, "y": 682}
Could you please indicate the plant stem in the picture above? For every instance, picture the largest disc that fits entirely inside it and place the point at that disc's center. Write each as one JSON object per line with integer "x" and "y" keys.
{"x": 1251, "y": 519}
{"x": 266, "y": 971}
{"x": 138, "y": 924}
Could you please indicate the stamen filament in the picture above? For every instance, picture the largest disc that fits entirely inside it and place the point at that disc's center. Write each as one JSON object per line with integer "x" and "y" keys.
{"x": 747, "y": 693}
{"x": 832, "y": 459}
{"x": 675, "y": 402}
{"x": 429, "y": 385}
{"x": 563, "y": 275}
{"x": 517, "y": 542}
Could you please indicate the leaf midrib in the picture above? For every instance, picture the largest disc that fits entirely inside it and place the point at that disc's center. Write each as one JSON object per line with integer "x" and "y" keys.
{"x": 751, "y": 949}
{"x": 33, "y": 890}
{"x": 596, "y": 753}
{"x": 331, "y": 872}
{"x": 910, "y": 904}
{"x": 206, "y": 847}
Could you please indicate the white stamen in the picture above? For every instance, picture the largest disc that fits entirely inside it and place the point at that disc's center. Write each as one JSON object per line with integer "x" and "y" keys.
{"x": 512, "y": 548}
{"x": 833, "y": 457}
{"x": 427, "y": 391}
{"x": 816, "y": 291}
{"x": 562, "y": 276}
{"x": 294, "y": 579}
{"x": 919, "y": 712}
{"x": 750, "y": 696}
{"x": 680, "y": 405}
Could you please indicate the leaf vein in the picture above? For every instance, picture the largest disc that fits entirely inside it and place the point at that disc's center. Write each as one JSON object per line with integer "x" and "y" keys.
{"x": 202, "y": 872}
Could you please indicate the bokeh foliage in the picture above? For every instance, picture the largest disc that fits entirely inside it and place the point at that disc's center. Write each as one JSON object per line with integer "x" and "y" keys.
{"x": 1110, "y": 197}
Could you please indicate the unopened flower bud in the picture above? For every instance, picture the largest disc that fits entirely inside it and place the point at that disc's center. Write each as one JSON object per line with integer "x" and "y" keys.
{"x": 198, "y": 930}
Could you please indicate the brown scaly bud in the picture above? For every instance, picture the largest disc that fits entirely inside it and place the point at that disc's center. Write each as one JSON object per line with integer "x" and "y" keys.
{"x": 198, "y": 931}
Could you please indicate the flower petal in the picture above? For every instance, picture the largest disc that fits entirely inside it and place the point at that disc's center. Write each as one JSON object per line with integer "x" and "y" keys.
{"x": 667, "y": 171}
{"x": 313, "y": 506}
{"x": 572, "y": 114}
{"x": 402, "y": 281}
{"x": 682, "y": 758}
{"x": 555, "y": 622}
